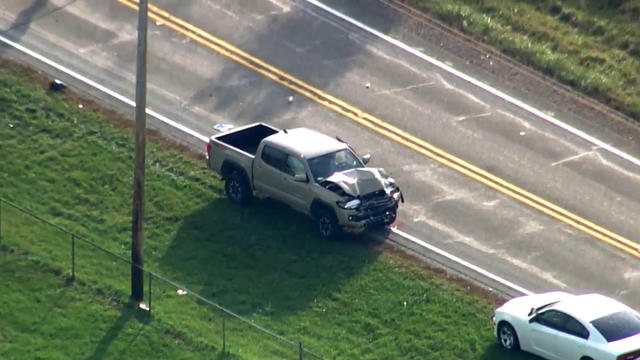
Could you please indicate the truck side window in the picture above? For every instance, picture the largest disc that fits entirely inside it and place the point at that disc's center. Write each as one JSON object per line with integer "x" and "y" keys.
{"x": 274, "y": 157}
{"x": 294, "y": 166}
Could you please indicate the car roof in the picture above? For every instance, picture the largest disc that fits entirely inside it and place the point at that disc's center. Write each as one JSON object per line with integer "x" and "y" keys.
{"x": 305, "y": 142}
{"x": 589, "y": 307}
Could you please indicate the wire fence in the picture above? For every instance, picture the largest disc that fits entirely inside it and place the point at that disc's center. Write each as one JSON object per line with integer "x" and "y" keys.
{"x": 89, "y": 262}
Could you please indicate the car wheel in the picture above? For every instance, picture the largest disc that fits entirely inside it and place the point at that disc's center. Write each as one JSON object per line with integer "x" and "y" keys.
{"x": 327, "y": 224}
{"x": 237, "y": 188}
{"x": 507, "y": 336}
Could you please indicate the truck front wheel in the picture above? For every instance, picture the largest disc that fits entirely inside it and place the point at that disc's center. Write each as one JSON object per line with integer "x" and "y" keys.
{"x": 237, "y": 188}
{"x": 327, "y": 224}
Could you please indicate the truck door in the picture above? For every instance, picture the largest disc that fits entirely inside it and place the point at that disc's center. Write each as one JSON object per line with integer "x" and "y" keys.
{"x": 269, "y": 172}
{"x": 297, "y": 190}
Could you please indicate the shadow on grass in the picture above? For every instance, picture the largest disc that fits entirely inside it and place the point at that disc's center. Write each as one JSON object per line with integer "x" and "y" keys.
{"x": 495, "y": 352}
{"x": 264, "y": 258}
{"x": 127, "y": 312}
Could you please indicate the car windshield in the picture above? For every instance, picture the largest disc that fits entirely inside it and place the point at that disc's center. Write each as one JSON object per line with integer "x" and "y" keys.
{"x": 324, "y": 165}
{"x": 618, "y": 325}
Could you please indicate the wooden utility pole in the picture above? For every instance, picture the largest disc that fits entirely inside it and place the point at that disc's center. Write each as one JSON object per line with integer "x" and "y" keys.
{"x": 137, "y": 218}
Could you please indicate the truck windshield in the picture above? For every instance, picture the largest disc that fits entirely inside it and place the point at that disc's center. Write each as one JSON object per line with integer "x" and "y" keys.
{"x": 324, "y": 165}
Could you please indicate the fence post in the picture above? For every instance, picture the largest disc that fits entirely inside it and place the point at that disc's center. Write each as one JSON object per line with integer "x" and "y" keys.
{"x": 300, "y": 351}
{"x": 150, "y": 293}
{"x": 73, "y": 257}
{"x": 224, "y": 334}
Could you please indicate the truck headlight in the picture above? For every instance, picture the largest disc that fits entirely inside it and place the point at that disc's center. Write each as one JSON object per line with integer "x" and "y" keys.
{"x": 349, "y": 205}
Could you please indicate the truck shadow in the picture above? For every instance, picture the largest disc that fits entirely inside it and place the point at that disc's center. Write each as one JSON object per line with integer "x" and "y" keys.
{"x": 264, "y": 258}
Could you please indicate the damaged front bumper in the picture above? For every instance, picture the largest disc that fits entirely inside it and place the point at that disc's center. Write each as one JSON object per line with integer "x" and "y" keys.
{"x": 372, "y": 213}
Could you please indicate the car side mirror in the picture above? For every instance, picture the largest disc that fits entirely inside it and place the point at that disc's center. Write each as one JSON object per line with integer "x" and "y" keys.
{"x": 366, "y": 158}
{"x": 300, "y": 178}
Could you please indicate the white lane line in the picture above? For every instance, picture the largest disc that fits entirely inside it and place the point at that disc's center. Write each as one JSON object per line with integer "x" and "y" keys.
{"x": 101, "y": 88}
{"x": 478, "y": 83}
{"x": 464, "y": 263}
{"x": 206, "y": 139}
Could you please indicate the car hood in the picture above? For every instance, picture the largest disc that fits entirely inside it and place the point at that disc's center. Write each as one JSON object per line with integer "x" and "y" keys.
{"x": 626, "y": 345}
{"x": 521, "y": 306}
{"x": 359, "y": 181}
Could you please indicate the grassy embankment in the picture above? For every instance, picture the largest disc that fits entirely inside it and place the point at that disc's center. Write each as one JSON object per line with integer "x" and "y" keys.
{"x": 348, "y": 299}
{"x": 590, "y": 45}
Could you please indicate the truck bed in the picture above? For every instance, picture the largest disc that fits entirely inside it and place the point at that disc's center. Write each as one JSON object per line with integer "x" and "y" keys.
{"x": 247, "y": 139}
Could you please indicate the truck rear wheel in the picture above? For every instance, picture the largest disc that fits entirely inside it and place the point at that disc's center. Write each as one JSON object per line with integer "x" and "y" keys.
{"x": 327, "y": 224}
{"x": 237, "y": 188}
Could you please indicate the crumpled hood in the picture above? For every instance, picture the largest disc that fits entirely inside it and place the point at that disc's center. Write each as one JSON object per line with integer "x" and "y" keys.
{"x": 359, "y": 181}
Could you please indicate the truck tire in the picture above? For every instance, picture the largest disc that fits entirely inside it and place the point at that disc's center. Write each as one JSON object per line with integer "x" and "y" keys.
{"x": 237, "y": 188}
{"x": 327, "y": 223}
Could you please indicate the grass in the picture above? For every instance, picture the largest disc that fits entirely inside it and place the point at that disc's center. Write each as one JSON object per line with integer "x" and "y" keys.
{"x": 342, "y": 299}
{"x": 590, "y": 45}
{"x": 44, "y": 316}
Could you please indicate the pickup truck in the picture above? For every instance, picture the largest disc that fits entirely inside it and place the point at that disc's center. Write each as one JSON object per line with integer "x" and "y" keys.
{"x": 313, "y": 173}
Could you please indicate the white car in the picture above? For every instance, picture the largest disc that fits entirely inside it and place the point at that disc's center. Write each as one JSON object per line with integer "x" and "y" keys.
{"x": 561, "y": 326}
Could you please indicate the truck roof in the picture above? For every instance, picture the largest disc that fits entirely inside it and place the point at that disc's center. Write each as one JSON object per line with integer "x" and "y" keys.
{"x": 305, "y": 142}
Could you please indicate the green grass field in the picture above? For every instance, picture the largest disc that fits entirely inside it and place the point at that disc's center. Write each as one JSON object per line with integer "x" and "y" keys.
{"x": 342, "y": 299}
{"x": 590, "y": 45}
{"x": 44, "y": 316}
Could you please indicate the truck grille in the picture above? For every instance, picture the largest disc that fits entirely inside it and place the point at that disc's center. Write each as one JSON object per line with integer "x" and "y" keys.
{"x": 377, "y": 208}
{"x": 376, "y": 201}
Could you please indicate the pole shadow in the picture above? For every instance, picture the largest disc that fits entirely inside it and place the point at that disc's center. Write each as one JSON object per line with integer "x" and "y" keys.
{"x": 16, "y": 30}
{"x": 310, "y": 47}
{"x": 127, "y": 312}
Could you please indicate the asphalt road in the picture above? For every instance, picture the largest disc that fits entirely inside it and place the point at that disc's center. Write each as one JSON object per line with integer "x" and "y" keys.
{"x": 192, "y": 83}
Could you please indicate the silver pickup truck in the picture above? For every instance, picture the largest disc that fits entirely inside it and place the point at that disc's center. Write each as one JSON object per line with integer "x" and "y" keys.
{"x": 313, "y": 173}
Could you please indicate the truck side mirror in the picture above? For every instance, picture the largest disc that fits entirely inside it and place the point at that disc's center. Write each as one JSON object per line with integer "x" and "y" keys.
{"x": 300, "y": 178}
{"x": 366, "y": 158}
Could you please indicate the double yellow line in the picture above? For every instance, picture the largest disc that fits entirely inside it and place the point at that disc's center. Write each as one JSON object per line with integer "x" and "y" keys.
{"x": 386, "y": 129}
